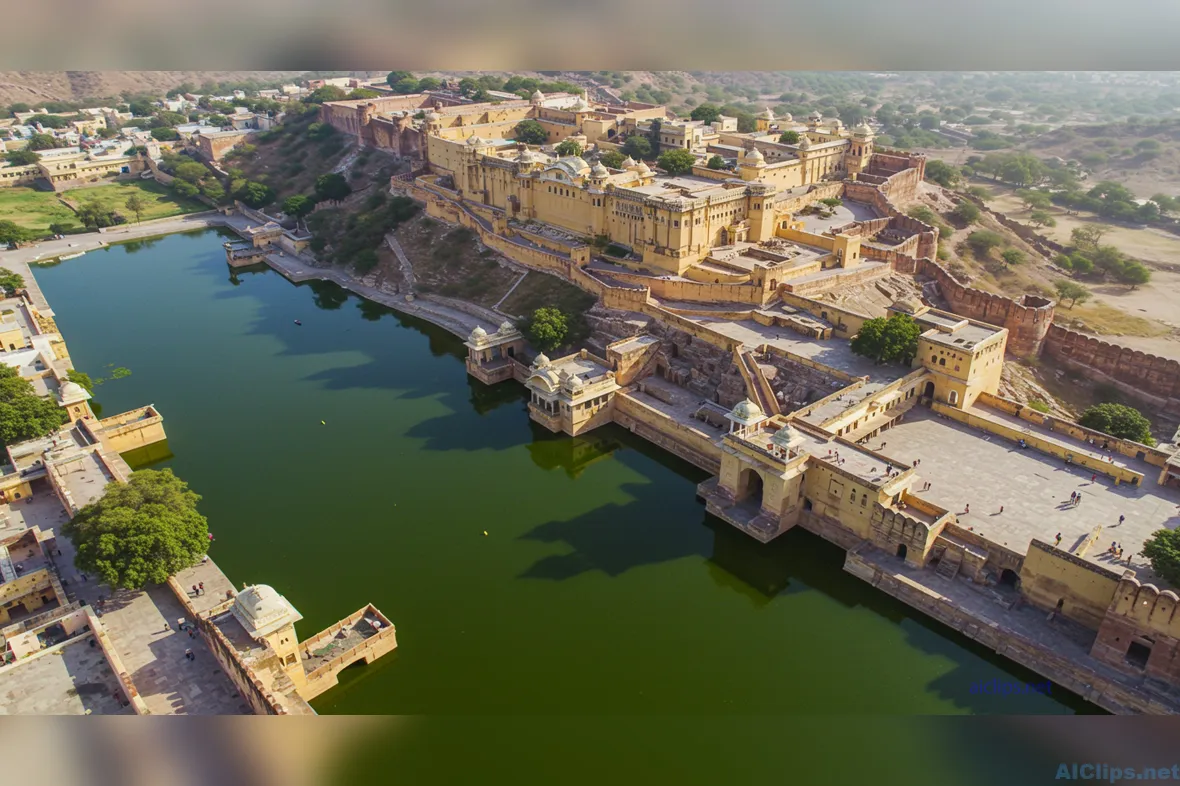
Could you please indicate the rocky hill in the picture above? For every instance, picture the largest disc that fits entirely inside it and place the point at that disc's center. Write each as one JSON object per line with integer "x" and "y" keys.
{"x": 32, "y": 86}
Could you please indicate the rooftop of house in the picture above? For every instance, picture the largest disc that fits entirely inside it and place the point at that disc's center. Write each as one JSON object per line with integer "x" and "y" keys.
{"x": 953, "y": 331}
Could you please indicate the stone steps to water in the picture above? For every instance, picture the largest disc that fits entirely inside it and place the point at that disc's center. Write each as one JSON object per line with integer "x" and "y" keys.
{"x": 948, "y": 566}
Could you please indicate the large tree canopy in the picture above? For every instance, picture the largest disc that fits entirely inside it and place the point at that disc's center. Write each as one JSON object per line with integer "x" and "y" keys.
{"x": 1163, "y": 549}
{"x": 23, "y": 414}
{"x": 531, "y": 132}
{"x": 888, "y": 340}
{"x": 547, "y": 328}
{"x": 1118, "y": 420}
{"x": 140, "y": 533}
{"x": 676, "y": 162}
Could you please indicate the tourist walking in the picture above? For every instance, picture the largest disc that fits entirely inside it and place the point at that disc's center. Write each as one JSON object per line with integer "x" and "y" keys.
{"x": 1058, "y": 543}
{"x": 201, "y": 587}
{"x": 189, "y": 654}
{"x": 1122, "y": 519}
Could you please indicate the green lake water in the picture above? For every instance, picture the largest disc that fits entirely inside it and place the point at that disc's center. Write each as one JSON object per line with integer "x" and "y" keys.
{"x": 601, "y": 586}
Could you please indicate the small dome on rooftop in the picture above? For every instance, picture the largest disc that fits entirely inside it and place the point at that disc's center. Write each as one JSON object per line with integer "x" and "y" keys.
{"x": 479, "y": 334}
{"x": 804, "y": 141}
{"x": 746, "y": 410}
{"x": 507, "y": 327}
{"x": 540, "y": 361}
{"x": 628, "y": 162}
{"x": 766, "y": 114}
{"x": 598, "y": 170}
{"x": 754, "y": 157}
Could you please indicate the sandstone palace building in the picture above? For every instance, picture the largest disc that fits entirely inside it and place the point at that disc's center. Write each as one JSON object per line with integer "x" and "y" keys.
{"x": 727, "y": 300}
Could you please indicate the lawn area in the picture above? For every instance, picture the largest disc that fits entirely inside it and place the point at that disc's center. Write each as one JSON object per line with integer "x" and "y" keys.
{"x": 36, "y": 210}
{"x": 33, "y": 209}
{"x": 160, "y": 201}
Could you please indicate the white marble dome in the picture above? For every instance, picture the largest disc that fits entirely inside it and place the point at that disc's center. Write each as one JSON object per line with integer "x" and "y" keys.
{"x": 598, "y": 170}
{"x": 540, "y": 361}
{"x": 72, "y": 392}
{"x": 477, "y": 335}
{"x": 746, "y": 410}
{"x": 629, "y": 163}
{"x": 507, "y": 327}
{"x": 754, "y": 157}
{"x": 262, "y": 611}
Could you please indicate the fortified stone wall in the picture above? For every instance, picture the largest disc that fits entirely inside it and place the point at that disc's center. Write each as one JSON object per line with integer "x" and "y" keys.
{"x": 1128, "y": 369}
{"x": 1144, "y": 615}
{"x": 1027, "y": 319}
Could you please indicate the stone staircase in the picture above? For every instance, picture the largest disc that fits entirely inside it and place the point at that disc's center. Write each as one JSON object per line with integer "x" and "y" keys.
{"x": 948, "y": 566}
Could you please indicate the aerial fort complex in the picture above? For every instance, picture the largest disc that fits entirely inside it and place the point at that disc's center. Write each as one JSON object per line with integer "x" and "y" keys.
{"x": 728, "y": 297}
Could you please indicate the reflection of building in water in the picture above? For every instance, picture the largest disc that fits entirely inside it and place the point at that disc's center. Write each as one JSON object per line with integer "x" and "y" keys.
{"x": 572, "y": 454}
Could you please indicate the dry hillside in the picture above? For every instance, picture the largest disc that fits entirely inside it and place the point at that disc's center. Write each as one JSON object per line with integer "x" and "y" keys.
{"x": 31, "y": 86}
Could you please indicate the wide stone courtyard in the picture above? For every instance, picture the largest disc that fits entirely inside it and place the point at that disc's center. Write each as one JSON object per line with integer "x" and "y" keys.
{"x": 970, "y": 467}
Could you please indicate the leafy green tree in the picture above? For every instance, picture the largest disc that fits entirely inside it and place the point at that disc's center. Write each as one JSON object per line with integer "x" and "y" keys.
{"x": 1118, "y": 420}
{"x": 612, "y": 159}
{"x": 217, "y": 120}
{"x": 983, "y": 241}
{"x": 716, "y": 162}
{"x": 1042, "y": 218}
{"x": 967, "y": 212}
{"x": 362, "y": 92}
{"x": 324, "y": 94}
{"x": 298, "y": 206}
{"x": 1089, "y": 236}
{"x": 1032, "y": 199}
{"x": 1133, "y": 274}
{"x": 568, "y": 147}
{"x": 706, "y": 113}
{"x": 41, "y": 142}
{"x": 141, "y": 532}
{"x": 192, "y": 171}
{"x": 48, "y": 121}
{"x": 23, "y": 157}
{"x": 255, "y": 194}
{"x": 791, "y": 138}
{"x": 1166, "y": 203}
{"x": 405, "y": 86}
{"x": 428, "y": 83}
{"x": 676, "y": 162}
{"x": 1082, "y": 265}
{"x": 531, "y": 132}
{"x": 943, "y": 173}
{"x": 332, "y": 186}
{"x": 136, "y": 205}
{"x": 889, "y": 339}
{"x": 1012, "y": 256}
{"x": 547, "y": 328}
{"x": 637, "y": 147}
{"x": 212, "y": 189}
{"x": 1072, "y": 291}
{"x": 165, "y": 134}
{"x": 82, "y": 378}
{"x": 23, "y": 414}
{"x": 185, "y": 189}
{"x": 10, "y": 282}
{"x": 396, "y": 76}
{"x": 1163, "y": 549}
{"x": 11, "y": 233}
{"x": 317, "y": 132}
{"x": 60, "y": 228}
{"x": 1108, "y": 260}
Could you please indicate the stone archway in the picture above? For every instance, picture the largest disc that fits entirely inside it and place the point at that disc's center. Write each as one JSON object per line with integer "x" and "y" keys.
{"x": 750, "y": 487}
{"x": 929, "y": 390}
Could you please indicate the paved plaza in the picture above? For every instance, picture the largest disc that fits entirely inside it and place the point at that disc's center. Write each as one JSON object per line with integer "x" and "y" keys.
{"x": 970, "y": 467}
{"x": 72, "y": 680}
